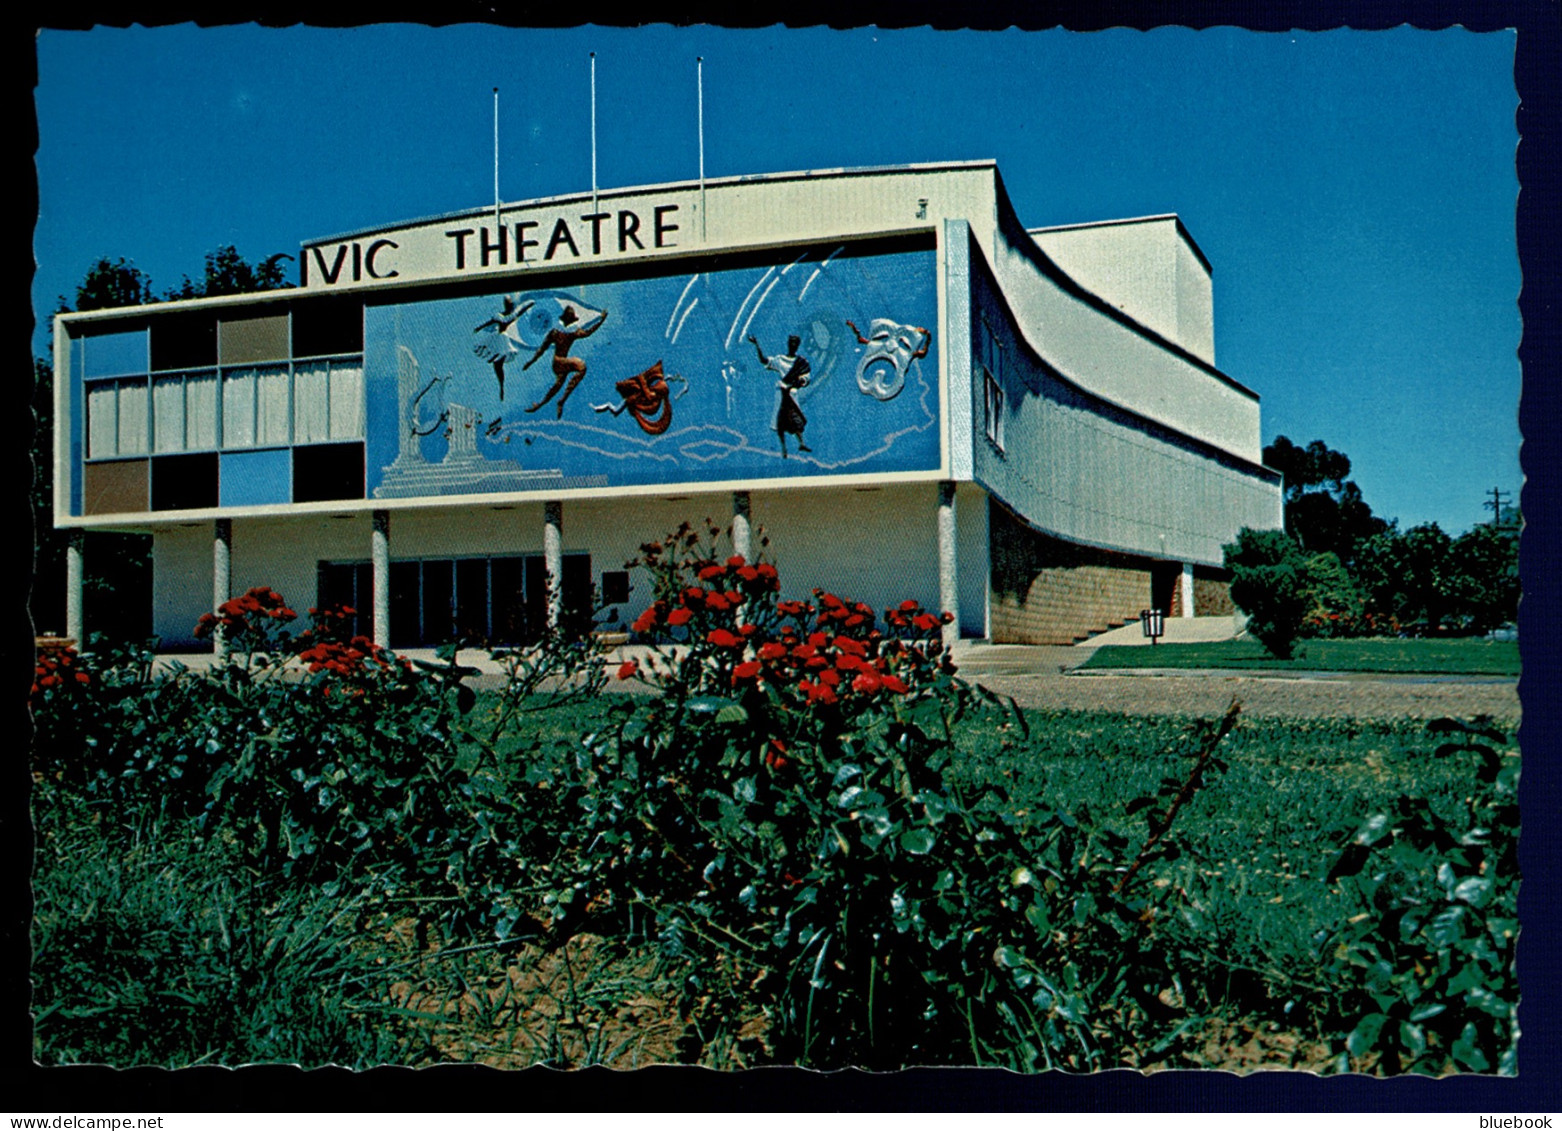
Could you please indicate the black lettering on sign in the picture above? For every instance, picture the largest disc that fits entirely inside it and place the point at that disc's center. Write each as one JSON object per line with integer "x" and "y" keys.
{"x": 459, "y": 235}
{"x": 368, "y": 259}
{"x": 357, "y": 263}
{"x": 628, "y": 225}
{"x": 661, "y": 228}
{"x": 333, "y": 272}
{"x": 595, "y": 220}
{"x": 521, "y": 242}
{"x": 487, "y": 249}
{"x": 560, "y": 235}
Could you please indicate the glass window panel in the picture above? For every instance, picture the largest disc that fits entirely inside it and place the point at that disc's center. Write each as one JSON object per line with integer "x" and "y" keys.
{"x": 271, "y": 425}
{"x": 168, "y": 414}
{"x": 102, "y": 421}
{"x": 200, "y": 410}
{"x": 311, "y": 403}
{"x": 238, "y": 409}
{"x": 132, "y": 418}
{"x": 346, "y": 402}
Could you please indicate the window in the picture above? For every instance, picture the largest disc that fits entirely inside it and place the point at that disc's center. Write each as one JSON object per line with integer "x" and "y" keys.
{"x": 615, "y": 586}
{"x": 990, "y": 364}
{"x": 992, "y": 414}
{"x": 328, "y": 402}
{"x": 117, "y": 422}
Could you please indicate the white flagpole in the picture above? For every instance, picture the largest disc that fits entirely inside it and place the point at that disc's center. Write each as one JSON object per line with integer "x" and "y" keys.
{"x": 593, "y": 131}
{"x": 699, "y": 71}
{"x": 498, "y": 232}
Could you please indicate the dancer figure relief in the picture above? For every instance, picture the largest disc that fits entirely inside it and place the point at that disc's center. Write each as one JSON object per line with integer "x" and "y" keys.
{"x": 794, "y": 370}
{"x": 563, "y": 338}
{"x": 498, "y": 342}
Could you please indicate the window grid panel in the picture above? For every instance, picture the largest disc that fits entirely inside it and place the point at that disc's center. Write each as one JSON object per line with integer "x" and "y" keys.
{"x": 134, "y": 418}
{"x": 238, "y": 408}
{"x": 271, "y": 406}
{"x": 168, "y": 414}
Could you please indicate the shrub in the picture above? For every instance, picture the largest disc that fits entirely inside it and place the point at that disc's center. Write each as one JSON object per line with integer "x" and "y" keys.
{"x": 781, "y": 812}
{"x": 1267, "y": 584}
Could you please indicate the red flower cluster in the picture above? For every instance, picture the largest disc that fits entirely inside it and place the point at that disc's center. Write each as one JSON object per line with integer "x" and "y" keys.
{"x": 349, "y": 658}
{"x": 235, "y": 615}
{"x": 732, "y": 584}
{"x": 56, "y": 667}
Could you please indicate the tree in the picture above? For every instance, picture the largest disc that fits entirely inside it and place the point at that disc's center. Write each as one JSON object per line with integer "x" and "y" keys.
{"x": 1484, "y": 576}
{"x": 1324, "y": 511}
{"x": 1409, "y": 576}
{"x": 228, "y": 273}
{"x": 1267, "y": 573}
{"x": 1334, "y": 603}
{"x": 110, "y": 283}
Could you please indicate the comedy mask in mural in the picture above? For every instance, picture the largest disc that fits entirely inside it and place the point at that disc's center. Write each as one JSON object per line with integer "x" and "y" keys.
{"x": 744, "y": 373}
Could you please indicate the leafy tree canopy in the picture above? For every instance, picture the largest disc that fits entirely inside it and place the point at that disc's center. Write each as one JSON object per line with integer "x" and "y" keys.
{"x": 1324, "y": 510}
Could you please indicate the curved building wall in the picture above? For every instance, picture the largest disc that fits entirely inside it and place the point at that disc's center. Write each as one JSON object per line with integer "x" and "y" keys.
{"x": 1079, "y": 468}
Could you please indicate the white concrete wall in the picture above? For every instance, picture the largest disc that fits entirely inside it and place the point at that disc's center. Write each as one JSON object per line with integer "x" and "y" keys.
{"x": 181, "y": 583}
{"x": 1147, "y": 270}
{"x": 1081, "y": 470}
{"x": 878, "y": 546}
{"x": 974, "y": 559}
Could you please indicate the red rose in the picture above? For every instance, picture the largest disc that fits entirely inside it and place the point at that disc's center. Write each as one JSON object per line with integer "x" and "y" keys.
{"x": 679, "y": 616}
{"x": 746, "y": 670}
{"x": 724, "y": 639}
{"x": 736, "y": 561}
{"x": 628, "y": 669}
{"x": 710, "y": 572}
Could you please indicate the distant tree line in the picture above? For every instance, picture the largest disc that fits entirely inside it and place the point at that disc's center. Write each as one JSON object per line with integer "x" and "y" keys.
{"x": 118, "y": 567}
{"x": 1339, "y": 570}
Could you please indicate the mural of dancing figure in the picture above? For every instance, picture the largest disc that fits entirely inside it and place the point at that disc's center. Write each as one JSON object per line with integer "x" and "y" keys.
{"x": 497, "y": 344}
{"x": 794, "y": 376}
{"x": 646, "y": 398}
{"x": 563, "y": 339}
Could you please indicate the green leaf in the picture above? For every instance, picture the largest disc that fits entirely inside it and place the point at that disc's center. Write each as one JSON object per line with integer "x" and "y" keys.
{"x": 918, "y": 841}
{"x": 1364, "y": 1037}
{"x": 1467, "y": 1049}
{"x": 735, "y": 713}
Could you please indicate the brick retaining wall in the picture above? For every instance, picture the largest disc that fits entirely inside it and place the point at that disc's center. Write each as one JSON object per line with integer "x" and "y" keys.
{"x": 1046, "y": 591}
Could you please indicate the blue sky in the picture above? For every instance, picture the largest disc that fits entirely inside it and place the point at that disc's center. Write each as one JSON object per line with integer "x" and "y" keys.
{"x": 1355, "y": 191}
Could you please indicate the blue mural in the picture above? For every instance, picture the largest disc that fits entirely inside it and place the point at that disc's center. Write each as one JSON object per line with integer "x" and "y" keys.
{"x": 746, "y": 373}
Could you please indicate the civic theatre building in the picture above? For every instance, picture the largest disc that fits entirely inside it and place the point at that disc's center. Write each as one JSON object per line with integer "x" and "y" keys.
{"x": 906, "y": 390}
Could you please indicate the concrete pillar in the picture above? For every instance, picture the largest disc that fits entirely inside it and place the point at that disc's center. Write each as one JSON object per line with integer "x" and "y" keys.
{"x": 742, "y": 537}
{"x": 379, "y": 558}
{"x": 948, "y": 574}
{"x": 1187, "y": 589}
{"x": 222, "y": 579}
{"x": 75, "y": 577}
{"x": 553, "y": 559}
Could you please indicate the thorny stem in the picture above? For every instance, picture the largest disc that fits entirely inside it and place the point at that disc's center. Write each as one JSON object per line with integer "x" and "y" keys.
{"x": 1189, "y": 788}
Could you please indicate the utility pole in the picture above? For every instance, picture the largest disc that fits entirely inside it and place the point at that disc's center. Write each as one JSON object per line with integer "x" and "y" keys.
{"x": 1495, "y": 506}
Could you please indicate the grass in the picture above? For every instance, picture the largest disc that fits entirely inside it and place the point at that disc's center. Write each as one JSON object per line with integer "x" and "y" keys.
{"x": 133, "y": 968}
{"x": 1400, "y": 657}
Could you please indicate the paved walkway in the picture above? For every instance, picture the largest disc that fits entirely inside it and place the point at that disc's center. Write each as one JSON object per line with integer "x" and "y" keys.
{"x": 1043, "y": 677}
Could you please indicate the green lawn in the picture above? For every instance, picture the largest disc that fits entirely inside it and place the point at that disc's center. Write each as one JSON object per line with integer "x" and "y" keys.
{"x": 1428, "y": 657}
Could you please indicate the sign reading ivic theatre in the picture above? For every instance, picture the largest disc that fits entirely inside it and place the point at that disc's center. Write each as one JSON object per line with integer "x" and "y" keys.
{"x": 470, "y": 244}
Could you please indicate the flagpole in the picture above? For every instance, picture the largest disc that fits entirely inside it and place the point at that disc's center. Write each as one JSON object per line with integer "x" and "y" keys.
{"x": 699, "y": 71}
{"x": 593, "y": 131}
{"x": 498, "y": 232}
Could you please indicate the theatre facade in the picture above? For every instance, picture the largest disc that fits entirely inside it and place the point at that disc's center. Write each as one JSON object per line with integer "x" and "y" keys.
{"x": 881, "y": 372}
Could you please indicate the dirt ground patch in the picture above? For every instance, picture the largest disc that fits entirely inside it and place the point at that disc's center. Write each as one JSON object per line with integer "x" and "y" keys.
{"x": 1040, "y": 684}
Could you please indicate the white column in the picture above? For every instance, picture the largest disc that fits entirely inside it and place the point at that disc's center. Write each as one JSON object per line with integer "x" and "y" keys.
{"x": 379, "y": 558}
{"x": 742, "y": 538}
{"x": 74, "y": 578}
{"x": 1187, "y": 589}
{"x": 948, "y": 575}
{"x": 553, "y": 559}
{"x": 222, "y": 579}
